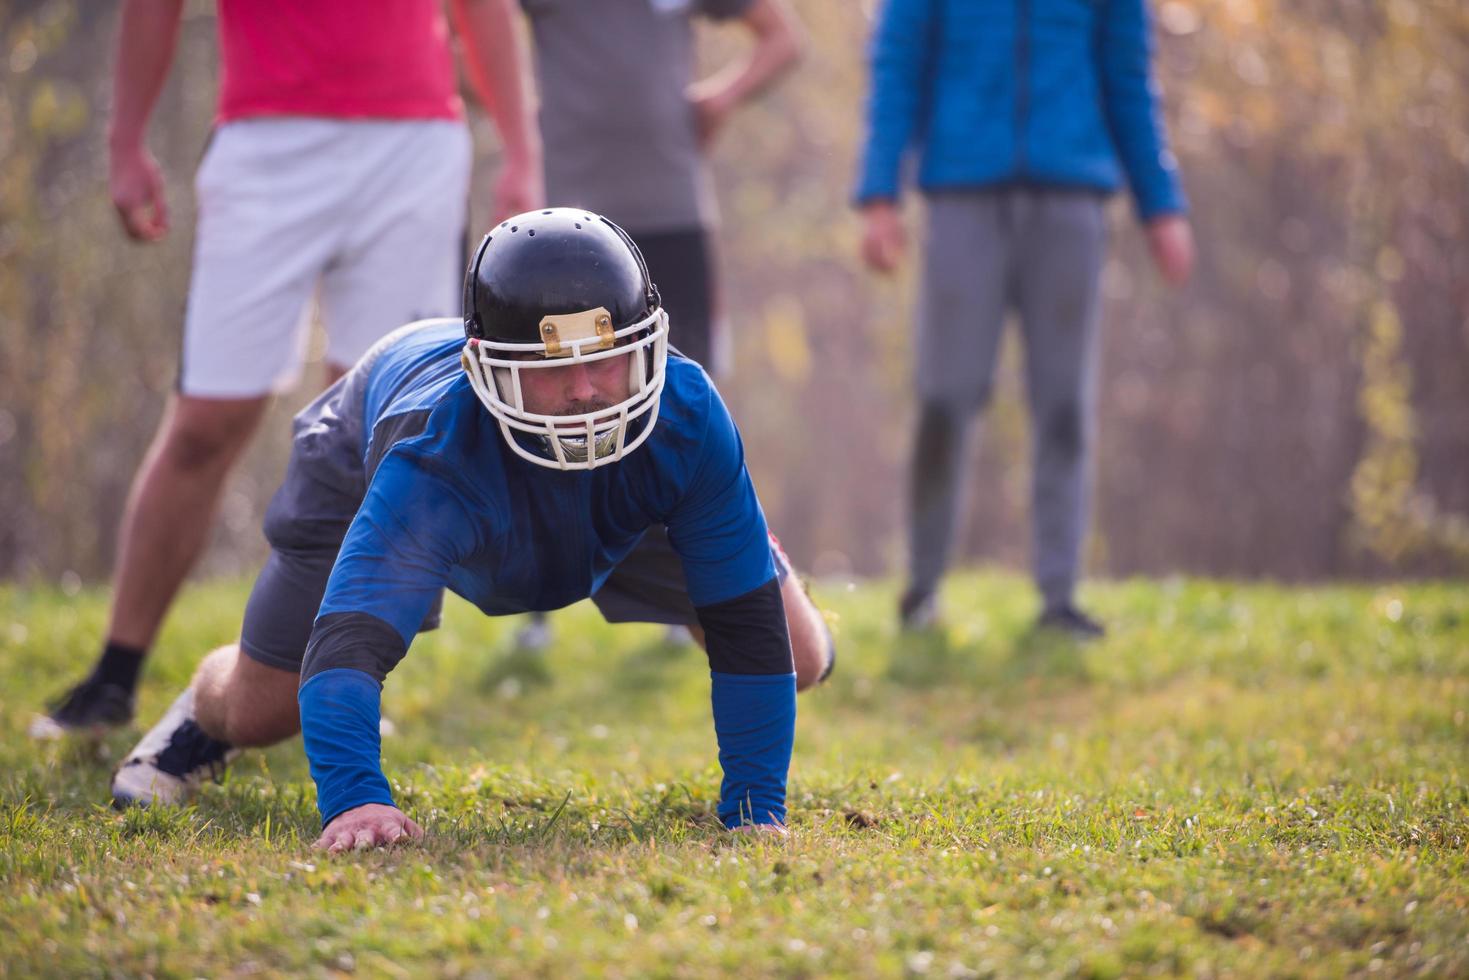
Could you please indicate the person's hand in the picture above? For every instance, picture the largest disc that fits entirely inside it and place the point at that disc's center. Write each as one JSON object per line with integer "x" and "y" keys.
{"x": 761, "y": 830}
{"x": 136, "y": 184}
{"x": 711, "y": 109}
{"x": 518, "y": 188}
{"x": 1171, "y": 240}
{"x": 364, "y": 827}
{"x": 884, "y": 239}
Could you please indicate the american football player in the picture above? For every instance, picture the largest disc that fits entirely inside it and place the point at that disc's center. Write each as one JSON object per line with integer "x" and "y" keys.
{"x": 549, "y": 447}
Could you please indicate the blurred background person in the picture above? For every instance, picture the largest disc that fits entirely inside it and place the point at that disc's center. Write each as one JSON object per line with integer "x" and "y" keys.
{"x": 338, "y": 168}
{"x": 627, "y": 131}
{"x": 1022, "y": 117}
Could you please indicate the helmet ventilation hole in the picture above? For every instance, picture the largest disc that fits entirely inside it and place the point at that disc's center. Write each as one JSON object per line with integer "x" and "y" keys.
{"x": 578, "y": 226}
{"x": 514, "y": 228}
{"x": 531, "y": 232}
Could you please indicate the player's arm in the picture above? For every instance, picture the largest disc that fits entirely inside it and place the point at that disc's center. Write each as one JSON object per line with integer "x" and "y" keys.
{"x": 719, "y": 532}
{"x": 1134, "y": 115}
{"x": 779, "y": 41}
{"x": 496, "y": 62}
{"x": 900, "y": 52}
{"x": 394, "y": 562}
{"x": 146, "y": 38}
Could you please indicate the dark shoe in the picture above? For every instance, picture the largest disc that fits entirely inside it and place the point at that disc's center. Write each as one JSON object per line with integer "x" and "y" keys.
{"x": 918, "y": 611}
{"x": 831, "y": 655}
{"x": 172, "y": 760}
{"x": 1072, "y": 621}
{"x": 90, "y": 706}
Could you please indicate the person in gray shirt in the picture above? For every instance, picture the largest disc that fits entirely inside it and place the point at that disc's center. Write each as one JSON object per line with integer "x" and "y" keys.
{"x": 627, "y": 129}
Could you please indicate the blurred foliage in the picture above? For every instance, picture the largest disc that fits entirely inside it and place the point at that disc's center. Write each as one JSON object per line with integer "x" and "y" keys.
{"x": 1299, "y": 410}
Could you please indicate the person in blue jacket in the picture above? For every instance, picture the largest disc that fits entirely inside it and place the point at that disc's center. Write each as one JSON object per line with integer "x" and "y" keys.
{"x": 548, "y": 447}
{"x": 1021, "y": 117}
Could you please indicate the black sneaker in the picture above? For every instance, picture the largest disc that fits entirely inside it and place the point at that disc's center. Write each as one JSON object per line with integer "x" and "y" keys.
{"x": 918, "y": 611}
{"x": 171, "y": 761}
{"x": 1072, "y": 621}
{"x": 90, "y": 706}
{"x": 831, "y": 655}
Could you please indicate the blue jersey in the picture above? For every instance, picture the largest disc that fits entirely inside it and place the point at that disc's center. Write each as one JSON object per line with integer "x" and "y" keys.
{"x": 449, "y": 504}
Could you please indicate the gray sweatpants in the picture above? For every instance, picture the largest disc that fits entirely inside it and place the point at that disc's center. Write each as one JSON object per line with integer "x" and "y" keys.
{"x": 1038, "y": 250}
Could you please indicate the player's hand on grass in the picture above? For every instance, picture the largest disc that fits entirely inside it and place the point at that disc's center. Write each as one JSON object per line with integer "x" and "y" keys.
{"x": 884, "y": 240}
{"x": 136, "y": 184}
{"x": 365, "y": 827}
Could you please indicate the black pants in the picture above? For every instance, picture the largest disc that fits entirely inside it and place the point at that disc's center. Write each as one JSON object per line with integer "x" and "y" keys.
{"x": 681, "y": 264}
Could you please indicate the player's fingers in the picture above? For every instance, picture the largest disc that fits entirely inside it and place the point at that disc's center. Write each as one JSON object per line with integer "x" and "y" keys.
{"x": 134, "y": 220}
{"x": 364, "y": 838}
{"x": 414, "y": 830}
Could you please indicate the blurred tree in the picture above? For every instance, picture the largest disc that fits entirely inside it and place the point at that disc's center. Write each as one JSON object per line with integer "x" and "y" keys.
{"x": 1302, "y": 410}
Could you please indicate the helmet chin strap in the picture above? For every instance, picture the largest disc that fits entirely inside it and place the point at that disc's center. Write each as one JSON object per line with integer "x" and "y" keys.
{"x": 574, "y": 448}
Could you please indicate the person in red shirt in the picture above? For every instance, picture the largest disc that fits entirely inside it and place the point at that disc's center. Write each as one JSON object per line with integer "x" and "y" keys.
{"x": 338, "y": 171}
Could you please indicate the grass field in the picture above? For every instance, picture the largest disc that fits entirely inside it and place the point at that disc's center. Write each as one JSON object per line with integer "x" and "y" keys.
{"x": 1242, "y": 780}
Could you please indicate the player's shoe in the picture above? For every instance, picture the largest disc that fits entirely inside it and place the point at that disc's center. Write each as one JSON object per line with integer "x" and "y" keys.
{"x": 1072, "y": 621}
{"x": 90, "y": 706}
{"x": 677, "y": 637}
{"x": 918, "y": 611}
{"x": 535, "y": 635}
{"x": 831, "y": 655}
{"x": 171, "y": 761}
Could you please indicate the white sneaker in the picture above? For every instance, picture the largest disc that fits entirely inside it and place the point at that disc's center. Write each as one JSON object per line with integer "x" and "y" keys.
{"x": 171, "y": 761}
{"x": 535, "y": 635}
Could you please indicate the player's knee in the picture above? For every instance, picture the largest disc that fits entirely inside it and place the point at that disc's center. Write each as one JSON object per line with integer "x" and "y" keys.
{"x": 811, "y": 644}
{"x": 1063, "y": 429}
{"x": 200, "y": 439}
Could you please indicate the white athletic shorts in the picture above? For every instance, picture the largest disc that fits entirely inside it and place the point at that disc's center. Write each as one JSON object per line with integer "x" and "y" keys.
{"x": 369, "y": 217}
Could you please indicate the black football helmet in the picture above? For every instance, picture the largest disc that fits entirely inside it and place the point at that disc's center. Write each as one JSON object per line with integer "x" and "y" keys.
{"x": 553, "y": 287}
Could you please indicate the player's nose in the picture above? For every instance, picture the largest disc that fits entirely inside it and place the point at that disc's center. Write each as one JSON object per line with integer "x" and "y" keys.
{"x": 579, "y": 385}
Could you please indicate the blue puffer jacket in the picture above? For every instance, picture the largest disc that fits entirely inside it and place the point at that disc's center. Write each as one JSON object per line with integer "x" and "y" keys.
{"x": 1055, "y": 92}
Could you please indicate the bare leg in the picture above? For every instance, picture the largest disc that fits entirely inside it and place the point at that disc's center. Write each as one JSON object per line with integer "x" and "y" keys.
{"x": 232, "y": 702}
{"x": 171, "y": 507}
{"x": 243, "y": 702}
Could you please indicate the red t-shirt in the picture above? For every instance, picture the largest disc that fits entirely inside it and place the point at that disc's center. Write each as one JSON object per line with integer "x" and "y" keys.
{"x": 339, "y": 59}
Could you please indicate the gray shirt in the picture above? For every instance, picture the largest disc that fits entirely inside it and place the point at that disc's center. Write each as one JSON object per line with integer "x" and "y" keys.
{"x": 618, "y": 130}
